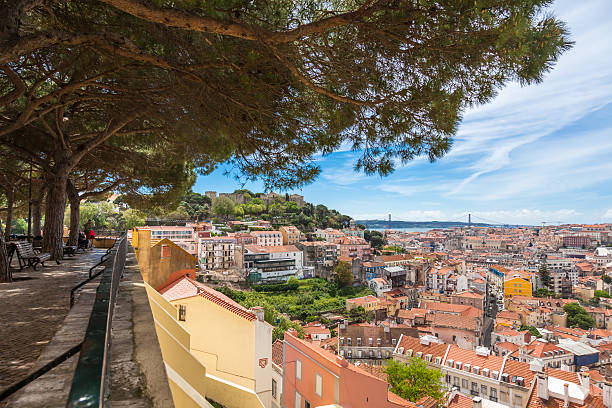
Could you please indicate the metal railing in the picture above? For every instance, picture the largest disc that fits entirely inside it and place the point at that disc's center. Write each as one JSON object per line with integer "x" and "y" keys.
{"x": 90, "y": 382}
{"x": 91, "y": 275}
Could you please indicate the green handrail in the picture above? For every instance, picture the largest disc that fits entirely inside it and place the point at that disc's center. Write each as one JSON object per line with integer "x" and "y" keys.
{"x": 89, "y": 384}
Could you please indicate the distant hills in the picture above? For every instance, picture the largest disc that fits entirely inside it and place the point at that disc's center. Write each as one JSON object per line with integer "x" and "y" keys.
{"x": 380, "y": 224}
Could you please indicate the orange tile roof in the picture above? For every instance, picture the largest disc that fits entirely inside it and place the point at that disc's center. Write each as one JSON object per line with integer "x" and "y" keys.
{"x": 460, "y": 401}
{"x": 458, "y": 322}
{"x": 186, "y": 287}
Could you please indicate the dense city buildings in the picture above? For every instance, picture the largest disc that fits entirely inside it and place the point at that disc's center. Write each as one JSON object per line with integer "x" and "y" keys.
{"x": 463, "y": 300}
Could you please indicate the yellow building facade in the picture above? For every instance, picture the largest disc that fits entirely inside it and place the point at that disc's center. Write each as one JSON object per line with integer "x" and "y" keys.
{"x": 517, "y": 286}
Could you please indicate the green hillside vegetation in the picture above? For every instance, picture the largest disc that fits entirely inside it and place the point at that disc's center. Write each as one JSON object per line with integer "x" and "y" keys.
{"x": 282, "y": 211}
{"x": 311, "y": 298}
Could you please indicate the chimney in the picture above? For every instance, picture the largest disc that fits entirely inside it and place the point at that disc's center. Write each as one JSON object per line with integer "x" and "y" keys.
{"x": 259, "y": 312}
{"x": 607, "y": 394}
{"x": 341, "y": 361}
{"x": 542, "y": 384}
{"x": 565, "y": 395}
{"x": 586, "y": 380}
{"x": 477, "y": 402}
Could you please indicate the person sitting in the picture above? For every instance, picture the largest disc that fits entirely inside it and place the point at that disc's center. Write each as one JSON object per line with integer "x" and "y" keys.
{"x": 83, "y": 242}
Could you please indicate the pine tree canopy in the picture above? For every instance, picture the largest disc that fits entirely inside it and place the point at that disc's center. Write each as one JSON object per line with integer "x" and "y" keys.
{"x": 264, "y": 84}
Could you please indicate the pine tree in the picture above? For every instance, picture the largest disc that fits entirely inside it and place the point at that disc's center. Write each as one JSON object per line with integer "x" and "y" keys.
{"x": 544, "y": 275}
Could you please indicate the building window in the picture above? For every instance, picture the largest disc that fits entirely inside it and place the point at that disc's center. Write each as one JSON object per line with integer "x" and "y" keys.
{"x": 182, "y": 312}
{"x": 165, "y": 251}
{"x": 483, "y": 389}
{"x": 464, "y": 384}
{"x": 349, "y": 341}
{"x": 298, "y": 400}
{"x": 318, "y": 385}
{"x": 474, "y": 388}
{"x": 306, "y": 404}
{"x": 298, "y": 369}
{"x": 493, "y": 396}
{"x": 274, "y": 388}
{"x": 393, "y": 341}
{"x": 358, "y": 341}
{"x": 456, "y": 381}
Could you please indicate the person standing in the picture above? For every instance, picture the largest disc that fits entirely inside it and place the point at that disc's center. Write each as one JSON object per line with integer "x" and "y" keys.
{"x": 92, "y": 236}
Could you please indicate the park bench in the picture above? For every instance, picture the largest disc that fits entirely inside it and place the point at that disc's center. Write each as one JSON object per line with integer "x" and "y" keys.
{"x": 27, "y": 256}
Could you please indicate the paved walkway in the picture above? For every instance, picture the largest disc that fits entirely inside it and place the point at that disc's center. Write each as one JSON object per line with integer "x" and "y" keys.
{"x": 33, "y": 308}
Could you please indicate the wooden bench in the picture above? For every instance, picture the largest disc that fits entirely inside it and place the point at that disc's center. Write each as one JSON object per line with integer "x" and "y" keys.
{"x": 27, "y": 256}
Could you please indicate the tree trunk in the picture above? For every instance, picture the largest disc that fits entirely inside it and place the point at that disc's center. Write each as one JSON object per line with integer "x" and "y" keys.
{"x": 55, "y": 207}
{"x": 10, "y": 199}
{"x": 5, "y": 275}
{"x": 36, "y": 214}
{"x": 75, "y": 216}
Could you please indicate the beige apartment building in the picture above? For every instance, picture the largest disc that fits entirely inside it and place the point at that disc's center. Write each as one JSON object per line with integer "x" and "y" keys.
{"x": 480, "y": 374}
{"x": 291, "y": 235}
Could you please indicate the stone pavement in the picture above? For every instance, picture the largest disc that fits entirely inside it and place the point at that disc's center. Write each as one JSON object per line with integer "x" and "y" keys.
{"x": 51, "y": 389}
{"x": 33, "y": 308}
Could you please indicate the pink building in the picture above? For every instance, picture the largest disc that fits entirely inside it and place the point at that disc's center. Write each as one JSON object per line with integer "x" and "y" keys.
{"x": 315, "y": 377}
{"x": 355, "y": 247}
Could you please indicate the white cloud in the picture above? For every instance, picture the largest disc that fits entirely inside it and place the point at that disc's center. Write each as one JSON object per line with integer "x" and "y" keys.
{"x": 608, "y": 214}
{"x": 579, "y": 84}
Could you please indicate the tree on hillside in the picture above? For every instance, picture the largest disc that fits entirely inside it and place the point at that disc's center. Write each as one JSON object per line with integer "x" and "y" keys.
{"x": 197, "y": 205}
{"x": 542, "y": 292}
{"x": 344, "y": 274}
{"x": 577, "y": 316}
{"x": 607, "y": 279}
{"x": 223, "y": 207}
{"x": 532, "y": 330}
{"x": 131, "y": 218}
{"x": 544, "y": 275}
{"x": 375, "y": 238}
{"x": 414, "y": 380}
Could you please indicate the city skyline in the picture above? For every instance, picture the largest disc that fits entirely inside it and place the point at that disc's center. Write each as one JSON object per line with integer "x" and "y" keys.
{"x": 534, "y": 154}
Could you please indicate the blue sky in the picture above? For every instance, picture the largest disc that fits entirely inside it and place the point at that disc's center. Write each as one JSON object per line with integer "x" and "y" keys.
{"x": 534, "y": 154}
